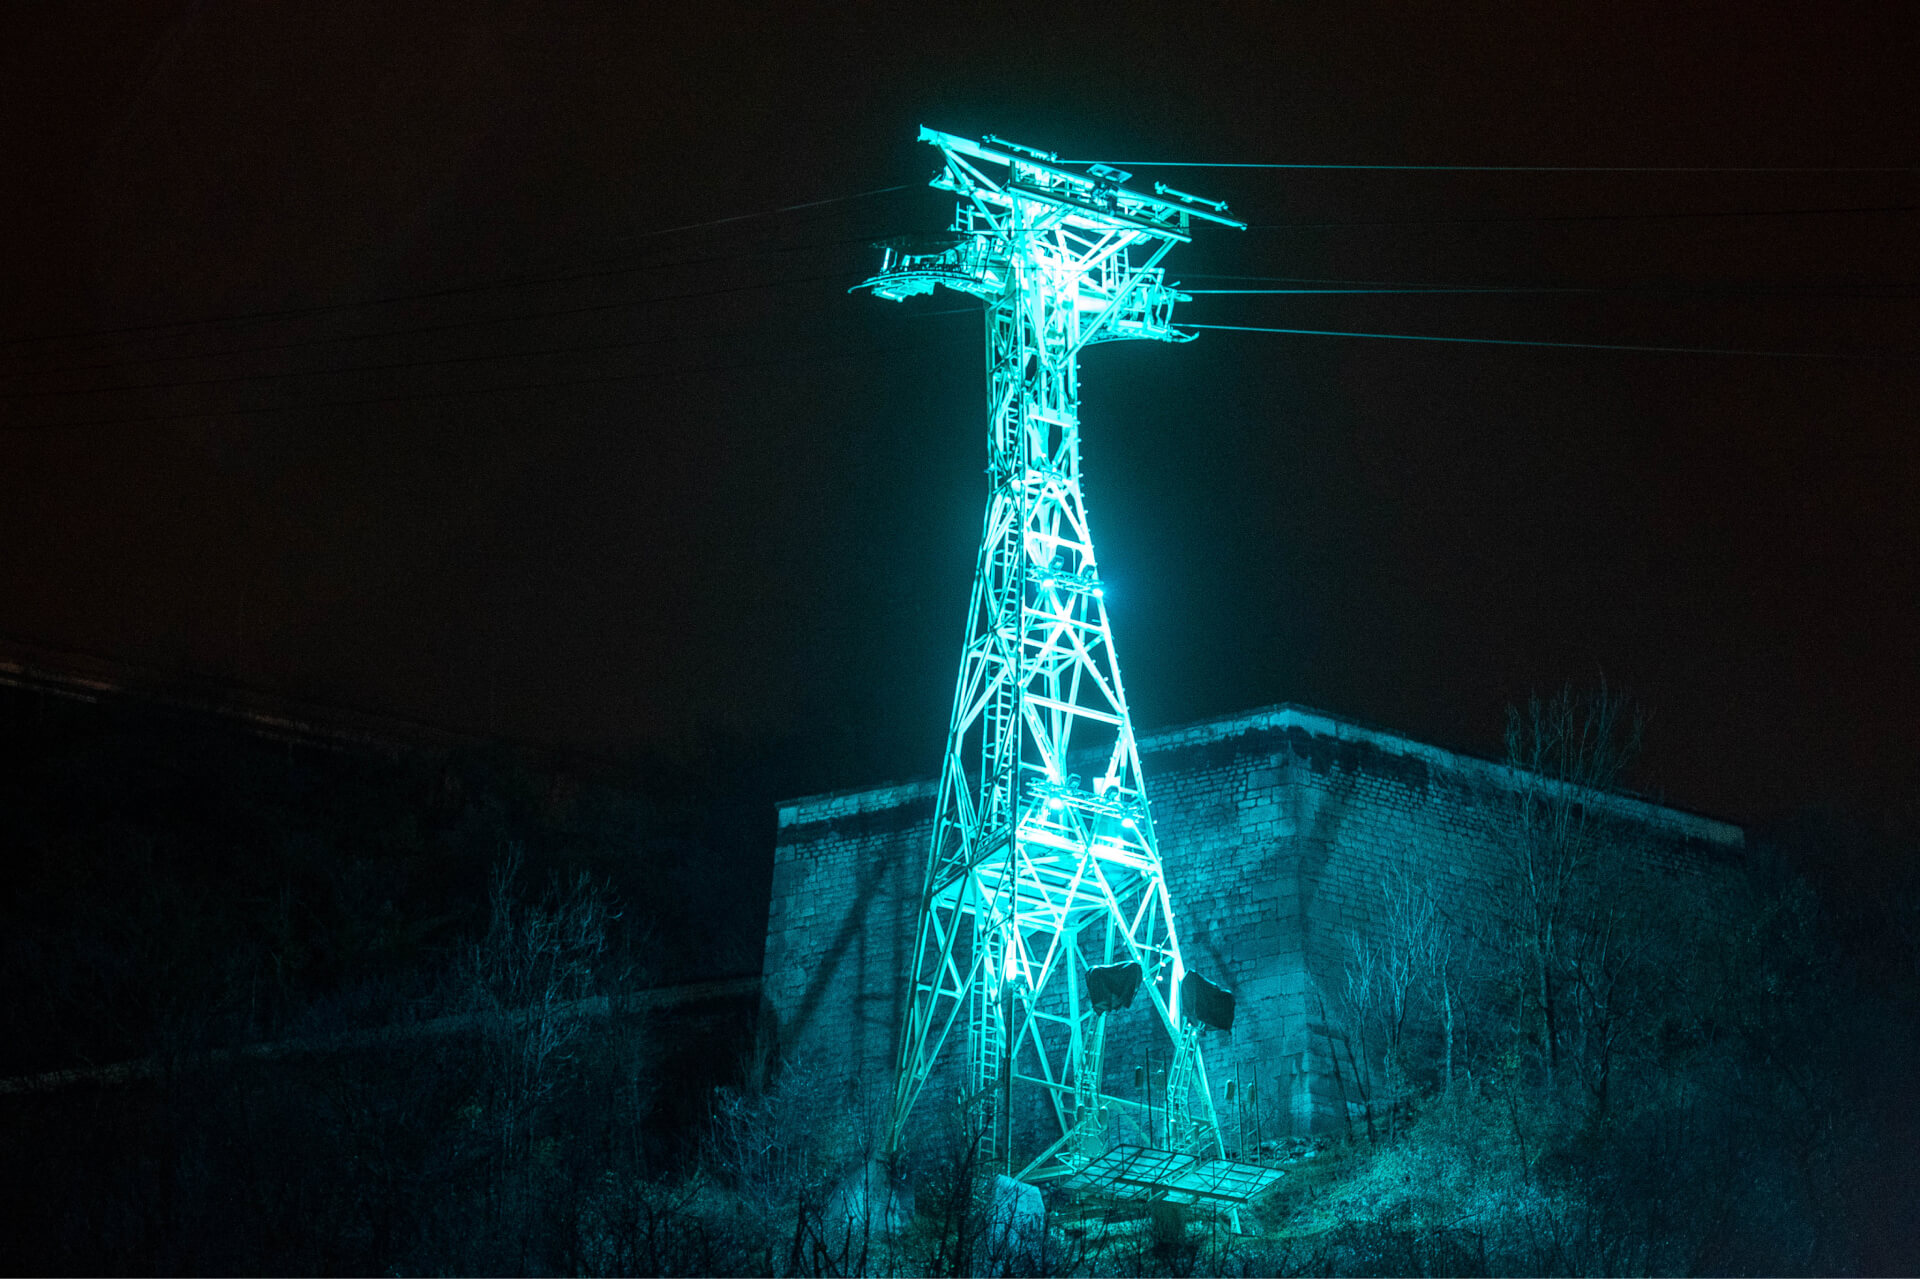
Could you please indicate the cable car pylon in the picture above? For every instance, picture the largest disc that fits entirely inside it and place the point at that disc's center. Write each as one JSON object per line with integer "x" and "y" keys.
{"x": 1044, "y": 910}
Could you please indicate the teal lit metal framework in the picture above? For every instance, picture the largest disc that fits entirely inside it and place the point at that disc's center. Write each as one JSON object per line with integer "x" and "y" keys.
{"x": 1038, "y": 872}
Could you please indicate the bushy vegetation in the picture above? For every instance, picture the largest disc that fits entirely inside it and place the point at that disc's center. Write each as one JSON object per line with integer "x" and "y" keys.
{"x": 309, "y": 1009}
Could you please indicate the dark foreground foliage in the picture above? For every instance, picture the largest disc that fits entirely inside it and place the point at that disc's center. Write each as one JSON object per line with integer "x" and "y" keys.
{"x": 370, "y": 1016}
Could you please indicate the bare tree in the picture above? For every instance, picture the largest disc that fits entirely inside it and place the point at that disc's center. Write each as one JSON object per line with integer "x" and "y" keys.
{"x": 532, "y": 976}
{"x": 1449, "y": 961}
{"x": 1412, "y": 958}
{"x": 1568, "y": 751}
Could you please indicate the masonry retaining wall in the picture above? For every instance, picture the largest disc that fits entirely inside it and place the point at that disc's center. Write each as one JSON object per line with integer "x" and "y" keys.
{"x": 1278, "y": 829}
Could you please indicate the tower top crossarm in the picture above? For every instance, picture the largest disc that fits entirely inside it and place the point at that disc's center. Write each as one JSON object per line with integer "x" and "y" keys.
{"x": 1024, "y": 215}
{"x": 1097, "y": 199}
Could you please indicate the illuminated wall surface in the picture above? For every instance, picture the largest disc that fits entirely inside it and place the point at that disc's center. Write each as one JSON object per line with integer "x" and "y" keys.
{"x": 1278, "y": 828}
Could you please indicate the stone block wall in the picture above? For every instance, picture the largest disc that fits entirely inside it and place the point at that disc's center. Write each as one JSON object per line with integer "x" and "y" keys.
{"x": 1278, "y": 829}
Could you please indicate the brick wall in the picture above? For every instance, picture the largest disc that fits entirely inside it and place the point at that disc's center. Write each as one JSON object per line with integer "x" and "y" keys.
{"x": 1278, "y": 828}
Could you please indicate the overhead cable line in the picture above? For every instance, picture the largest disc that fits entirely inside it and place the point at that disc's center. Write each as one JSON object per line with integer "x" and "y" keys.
{"x": 450, "y": 325}
{"x": 601, "y": 273}
{"x": 589, "y": 348}
{"x": 1590, "y": 217}
{"x": 287, "y": 374}
{"x": 425, "y": 295}
{"x": 466, "y": 392}
{"x": 1898, "y": 358}
{"x": 1425, "y": 284}
{"x": 1892, "y": 292}
{"x": 764, "y": 213}
{"x": 1511, "y": 168}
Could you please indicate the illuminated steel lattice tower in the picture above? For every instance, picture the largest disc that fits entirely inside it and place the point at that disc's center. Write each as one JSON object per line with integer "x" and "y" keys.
{"x": 1043, "y": 864}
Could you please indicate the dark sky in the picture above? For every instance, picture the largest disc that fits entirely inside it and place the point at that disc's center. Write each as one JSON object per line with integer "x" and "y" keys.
{"x": 508, "y": 460}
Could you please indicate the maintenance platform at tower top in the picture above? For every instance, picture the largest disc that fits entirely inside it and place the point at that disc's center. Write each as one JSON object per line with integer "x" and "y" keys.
{"x": 1279, "y": 829}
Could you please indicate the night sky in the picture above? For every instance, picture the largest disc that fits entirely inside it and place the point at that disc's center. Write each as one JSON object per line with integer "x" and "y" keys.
{"x": 472, "y": 435}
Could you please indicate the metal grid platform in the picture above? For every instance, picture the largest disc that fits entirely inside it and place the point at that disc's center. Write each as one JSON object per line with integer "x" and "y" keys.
{"x": 1140, "y": 1175}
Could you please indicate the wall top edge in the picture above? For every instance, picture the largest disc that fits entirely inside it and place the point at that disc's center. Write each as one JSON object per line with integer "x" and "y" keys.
{"x": 1286, "y": 715}
{"x": 858, "y": 799}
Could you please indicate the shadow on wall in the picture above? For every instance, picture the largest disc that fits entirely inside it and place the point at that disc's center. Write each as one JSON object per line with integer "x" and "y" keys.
{"x": 880, "y": 889}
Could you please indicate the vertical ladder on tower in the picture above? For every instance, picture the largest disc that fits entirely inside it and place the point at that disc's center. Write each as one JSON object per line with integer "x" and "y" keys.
{"x": 987, "y": 1043}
